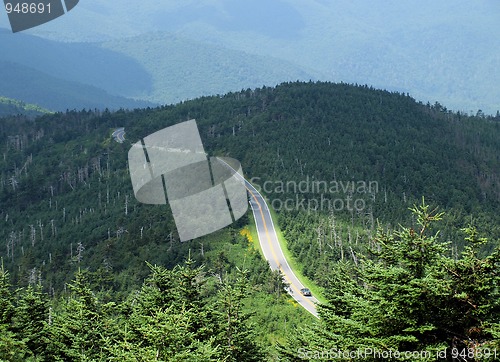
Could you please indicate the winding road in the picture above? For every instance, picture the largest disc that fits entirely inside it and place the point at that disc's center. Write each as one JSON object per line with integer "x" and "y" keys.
{"x": 271, "y": 247}
{"x": 119, "y": 135}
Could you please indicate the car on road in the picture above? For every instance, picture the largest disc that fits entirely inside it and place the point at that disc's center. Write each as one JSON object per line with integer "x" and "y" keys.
{"x": 306, "y": 292}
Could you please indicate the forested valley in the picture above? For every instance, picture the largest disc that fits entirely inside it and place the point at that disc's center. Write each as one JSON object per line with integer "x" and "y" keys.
{"x": 410, "y": 262}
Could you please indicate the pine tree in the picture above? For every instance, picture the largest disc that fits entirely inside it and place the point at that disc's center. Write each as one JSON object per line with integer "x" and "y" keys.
{"x": 12, "y": 348}
{"x": 77, "y": 329}
{"x": 410, "y": 295}
{"x": 167, "y": 320}
{"x": 474, "y": 306}
{"x": 237, "y": 337}
{"x": 6, "y": 299}
{"x": 31, "y": 317}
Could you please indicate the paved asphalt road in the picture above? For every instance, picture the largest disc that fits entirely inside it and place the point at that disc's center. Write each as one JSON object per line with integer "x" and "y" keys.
{"x": 119, "y": 135}
{"x": 272, "y": 248}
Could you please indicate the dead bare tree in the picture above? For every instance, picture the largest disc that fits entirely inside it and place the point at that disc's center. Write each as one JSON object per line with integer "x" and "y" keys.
{"x": 33, "y": 235}
{"x": 319, "y": 230}
{"x": 33, "y": 276}
{"x": 171, "y": 239}
{"x": 10, "y": 245}
{"x": 79, "y": 249}
{"x": 13, "y": 182}
{"x": 40, "y": 226}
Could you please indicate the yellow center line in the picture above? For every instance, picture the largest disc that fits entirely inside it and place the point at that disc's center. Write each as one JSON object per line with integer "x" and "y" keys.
{"x": 272, "y": 247}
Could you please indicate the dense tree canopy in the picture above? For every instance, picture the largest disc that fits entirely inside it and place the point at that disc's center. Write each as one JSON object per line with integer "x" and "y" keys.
{"x": 76, "y": 240}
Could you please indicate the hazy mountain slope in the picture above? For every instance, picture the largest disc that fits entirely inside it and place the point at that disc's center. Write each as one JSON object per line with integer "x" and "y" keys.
{"x": 184, "y": 69}
{"x": 84, "y": 63}
{"x": 158, "y": 67}
{"x": 446, "y": 51}
{"x": 426, "y": 48}
{"x": 33, "y": 86}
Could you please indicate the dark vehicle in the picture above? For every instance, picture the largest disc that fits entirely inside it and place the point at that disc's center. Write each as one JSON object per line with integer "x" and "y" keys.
{"x": 305, "y": 292}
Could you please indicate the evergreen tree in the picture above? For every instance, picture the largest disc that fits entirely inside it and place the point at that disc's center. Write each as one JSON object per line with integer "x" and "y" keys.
{"x": 237, "y": 338}
{"x": 6, "y": 298}
{"x": 77, "y": 329}
{"x": 31, "y": 318}
{"x": 411, "y": 296}
{"x": 167, "y": 320}
{"x": 12, "y": 346}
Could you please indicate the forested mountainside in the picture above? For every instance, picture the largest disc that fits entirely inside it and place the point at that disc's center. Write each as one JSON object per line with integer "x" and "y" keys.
{"x": 87, "y": 254}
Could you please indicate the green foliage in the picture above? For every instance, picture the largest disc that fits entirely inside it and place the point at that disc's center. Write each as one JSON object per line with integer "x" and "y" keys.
{"x": 62, "y": 176}
{"x": 77, "y": 331}
{"x": 167, "y": 319}
{"x": 12, "y": 348}
{"x": 237, "y": 338}
{"x": 410, "y": 295}
{"x": 6, "y": 299}
{"x": 31, "y": 318}
{"x": 68, "y": 207}
{"x": 10, "y": 106}
{"x": 176, "y": 316}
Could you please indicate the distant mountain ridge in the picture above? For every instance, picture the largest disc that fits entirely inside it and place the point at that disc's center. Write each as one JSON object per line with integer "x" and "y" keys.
{"x": 158, "y": 68}
{"x": 60, "y": 76}
{"x": 444, "y": 51}
{"x": 33, "y": 86}
{"x": 85, "y": 63}
{"x": 183, "y": 69}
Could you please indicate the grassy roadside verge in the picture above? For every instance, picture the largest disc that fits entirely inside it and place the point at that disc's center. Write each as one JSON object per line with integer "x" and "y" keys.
{"x": 252, "y": 228}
